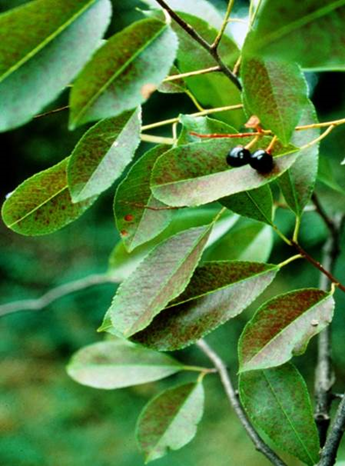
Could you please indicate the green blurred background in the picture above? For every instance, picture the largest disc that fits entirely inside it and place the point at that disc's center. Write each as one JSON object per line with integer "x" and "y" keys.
{"x": 47, "y": 419}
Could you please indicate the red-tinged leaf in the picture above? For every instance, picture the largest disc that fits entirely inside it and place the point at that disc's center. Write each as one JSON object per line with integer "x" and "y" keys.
{"x": 217, "y": 292}
{"x": 42, "y": 204}
{"x": 117, "y": 364}
{"x": 102, "y": 154}
{"x": 282, "y": 328}
{"x": 169, "y": 421}
{"x": 277, "y": 401}
{"x": 124, "y": 72}
{"x": 276, "y": 92}
{"x": 196, "y": 174}
{"x": 139, "y": 216}
{"x": 297, "y": 183}
{"x": 159, "y": 278}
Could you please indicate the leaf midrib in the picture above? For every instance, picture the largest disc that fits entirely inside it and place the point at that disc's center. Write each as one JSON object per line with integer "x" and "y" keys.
{"x": 45, "y": 42}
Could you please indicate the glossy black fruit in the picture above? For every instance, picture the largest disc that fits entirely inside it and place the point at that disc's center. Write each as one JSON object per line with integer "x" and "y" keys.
{"x": 238, "y": 156}
{"x": 261, "y": 161}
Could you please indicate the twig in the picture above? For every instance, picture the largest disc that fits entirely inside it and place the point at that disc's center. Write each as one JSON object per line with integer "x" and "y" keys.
{"x": 157, "y": 139}
{"x": 201, "y": 41}
{"x": 50, "y": 112}
{"x": 223, "y": 27}
{"x": 329, "y": 451}
{"x": 175, "y": 77}
{"x": 260, "y": 445}
{"x": 55, "y": 294}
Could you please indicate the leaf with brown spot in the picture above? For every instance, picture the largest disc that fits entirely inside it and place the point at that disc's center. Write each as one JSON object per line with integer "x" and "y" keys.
{"x": 197, "y": 173}
{"x": 43, "y": 46}
{"x": 169, "y": 421}
{"x": 136, "y": 210}
{"x": 282, "y": 328}
{"x": 217, "y": 292}
{"x": 102, "y": 154}
{"x": 160, "y": 277}
{"x": 123, "y": 72}
{"x": 117, "y": 364}
{"x": 42, "y": 204}
{"x": 277, "y": 401}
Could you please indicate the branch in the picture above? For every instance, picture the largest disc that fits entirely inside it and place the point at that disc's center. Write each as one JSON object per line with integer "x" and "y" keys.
{"x": 201, "y": 41}
{"x": 55, "y": 294}
{"x": 329, "y": 452}
{"x": 260, "y": 445}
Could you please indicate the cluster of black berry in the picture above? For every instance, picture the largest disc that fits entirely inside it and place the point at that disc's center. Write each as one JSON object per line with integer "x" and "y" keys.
{"x": 260, "y": 160}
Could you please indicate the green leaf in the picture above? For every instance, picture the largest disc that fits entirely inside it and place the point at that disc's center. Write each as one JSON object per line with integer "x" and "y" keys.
{"x": 201, "y": 125}
{"x": 177, "y": 86}
{"x": 102, "y": 154}
{"x": 41, "y": 51}
{"x": 42, "y": 204}
{"x": 169, "y": 421}
{"x": 282, "y": 328}
{"x": 277, "y": 401}
{"x": 159, "y": 278}
{"x": 217, "y": 292}
{"x": 297, "y": 183}
{"x": 309, "y": 32}
{"x": 276, "y": 92}
{"x": 196, "y": 174}
{"x": 256, "y": 204}
{"x": 139, "y": 216}
{"x": 248, "y": 240}
{"x": 123, "y": 72}
{"x": 212, "y": 89}
{"x": 117, "y": 364}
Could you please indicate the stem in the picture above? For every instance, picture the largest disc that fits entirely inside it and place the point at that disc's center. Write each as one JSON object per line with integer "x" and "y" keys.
{"x": 289, "y": 260}
{"x": 157, "y": 139}
{"x": 329, "y": 451}
{"x": 254, "y": 12}
{"x": 223, "y": 27}
{"x": 50, "y": 112}
{"x": 175, "y": 77}
{"x": 55, "y": 294}
{"x": 201, "y": 41}
{"x": 322, "y": 136}
{"x": 194, "y": 100}
{"x": 230, "y": 392}
{"x": 229, "y": 136}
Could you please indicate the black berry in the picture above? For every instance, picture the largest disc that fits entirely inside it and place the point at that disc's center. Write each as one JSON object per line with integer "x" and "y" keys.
{"x": 261, "y": 161}
{"x": 238, "y": 156}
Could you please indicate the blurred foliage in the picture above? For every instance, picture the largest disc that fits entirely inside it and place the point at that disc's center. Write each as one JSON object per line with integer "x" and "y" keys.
{"x": 47, "y": 419}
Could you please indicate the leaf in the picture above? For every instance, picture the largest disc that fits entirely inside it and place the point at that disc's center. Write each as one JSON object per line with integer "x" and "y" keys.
{"x": 282, "y": 328}
{"x": 201, "y": 125}
{"x": 102, "y": 154}
{"x": 248, "y": 240}
{"x": 123, "y": 72}
{"x": 41, "y": 51}
{"x": 196, "y": 174}
{"x": 159, "y": 278}
{"x": 177, "y": 86}
{"x": 256, "y": 204}
{"x": 169, "y": 421}
{"x": 42, "y": 204}
{"x": 217, "y": 292}
{"x": 134, "y": 203}
{"x": 297, "y": 183}
{"x": 276, "y": 92}
{"x": 278, "y": 402}
{"x": 212, "y": 89}
{"x": 310, "y": 33}
{"x": 117, "y": 364}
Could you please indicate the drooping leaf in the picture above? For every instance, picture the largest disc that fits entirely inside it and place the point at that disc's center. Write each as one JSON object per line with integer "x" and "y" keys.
{"x": 247, "y": 241}
{"x": 201, "y": 125}
{"x": 277, "y": 401}
{"x": 169, "y": 421}
{"x": 41, "y": 51}
{"x": 160, "y": 277}
{"x": 282, "y": 328}
{"x": 177, "y": 86}
{"x": 217, "y": 292}
{"x": 256, "y": 204}
{"x": 42, "y": 204}
{"x": 124, "y": 72}
{"x": 102, "y": 154}
{"x": 310, "y": 33}
{"x": 298, "y": 182}
{"x": 196, "y": 174}
{"x": 276, "y": 92}
{"x": 117, "y": 364}
{"x": 139, "y": 216}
